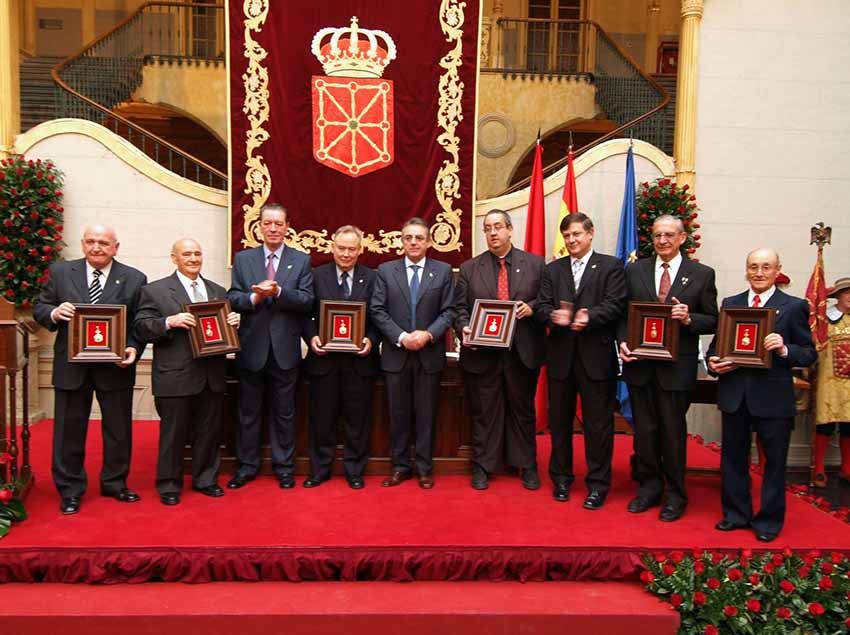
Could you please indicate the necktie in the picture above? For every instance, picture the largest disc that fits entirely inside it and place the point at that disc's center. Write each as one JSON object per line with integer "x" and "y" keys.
{"x": 664, "y": 285}
{"x": 196, "y": 295}
{"x": 502, "y": 287}
{"x": 756, "y": 301}
{"x": 577, "y": 264}
{"x": 414, "y": 291}
{"x": 95, "y": 290}
{"x": 270, "y": 270}
{"x": 345, "y": 287}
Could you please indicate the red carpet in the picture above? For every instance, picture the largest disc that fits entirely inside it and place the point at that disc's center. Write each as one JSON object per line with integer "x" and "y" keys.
{"x": 333, "y": 533}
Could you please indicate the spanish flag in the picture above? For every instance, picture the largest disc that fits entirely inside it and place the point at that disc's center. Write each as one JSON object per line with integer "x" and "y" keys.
{"x": 569, "y": 204}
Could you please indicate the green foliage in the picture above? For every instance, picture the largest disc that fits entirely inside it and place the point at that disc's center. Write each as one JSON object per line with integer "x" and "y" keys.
{"x": 661, "y": 197}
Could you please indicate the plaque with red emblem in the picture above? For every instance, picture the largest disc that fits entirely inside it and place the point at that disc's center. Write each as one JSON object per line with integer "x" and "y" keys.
{"x": 211, "y": 335}
{"x": 97, "y": 333}
{"x": 741, "y": 333}
{"x": 652, "y": 334}
{"x": 342, "y": 325}
{"x": 492, "y": 323}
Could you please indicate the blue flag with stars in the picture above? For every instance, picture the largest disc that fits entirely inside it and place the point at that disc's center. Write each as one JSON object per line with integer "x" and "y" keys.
{"x": 627, "y": 251}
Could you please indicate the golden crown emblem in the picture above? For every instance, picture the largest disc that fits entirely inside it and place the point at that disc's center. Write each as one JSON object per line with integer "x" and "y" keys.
{"x": 352, "y": 51}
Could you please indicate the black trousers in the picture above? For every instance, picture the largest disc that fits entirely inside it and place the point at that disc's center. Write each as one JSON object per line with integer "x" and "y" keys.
{"x": 270, "y": 391}
{"x": 72, "y": 409}
{"x": 412, "y": 395}
{"x": 775, "y": 436}
{"x": 340, "y": 392}
{"x": 502, "y": 406}
{"x": 660, "y": 440}
{"x": 194, "y": 419}
{"x": 597, "y": 406}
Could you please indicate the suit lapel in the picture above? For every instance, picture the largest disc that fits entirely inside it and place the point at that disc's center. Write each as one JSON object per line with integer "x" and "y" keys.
{"x": 519, "y": 264}
{"x": 400, "y": 276}
{"x": 78, "y": 276}
{"x": 212, "y": 290}
{"x": 485, "y": 271}
{"x": 113, "y": 283}
{"x": 178, "y": 291}
{"x": 285, "y": 266}
{"x": 258, "y": 263}
{"x": 358, "y": 283}
{"x": 777, "y": 301}
{"x": 588, "y": 275}
{"x": 427, "y": 278}
{"x": 647, "y": 274}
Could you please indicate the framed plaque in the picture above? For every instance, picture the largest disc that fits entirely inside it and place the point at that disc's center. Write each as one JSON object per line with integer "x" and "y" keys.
{"x": 492, "y": 323}
{"x": 653, "y": 333}
{"x": 342, "y": 325}
{"x": 741, "y": 333}
{"x": 211, "y": 335}
{"x": 97, "y": 333}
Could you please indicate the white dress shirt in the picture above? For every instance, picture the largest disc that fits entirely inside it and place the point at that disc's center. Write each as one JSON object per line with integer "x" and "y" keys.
{"x": 584, "y": 260}
{"x": 104, "y": 275}
{"x": 675, "y": 263}
{"x": 764, "y": 296}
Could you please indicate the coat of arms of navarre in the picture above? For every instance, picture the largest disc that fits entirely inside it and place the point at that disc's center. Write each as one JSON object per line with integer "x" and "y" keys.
{"x": 352, "y": 106}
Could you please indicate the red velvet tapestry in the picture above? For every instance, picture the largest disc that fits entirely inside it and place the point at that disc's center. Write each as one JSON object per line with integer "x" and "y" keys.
{"x": 354, "y": 111}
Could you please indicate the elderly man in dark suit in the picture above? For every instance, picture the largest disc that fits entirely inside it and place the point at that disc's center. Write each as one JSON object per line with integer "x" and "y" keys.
{"x": 660, "y": 391}
{"x": 188, "y": 392}
{"x": 412, "y": 306}
{"x": 760, "y": 400}
{"x": 581, "y": 300}
{"x": 502, "y": 383}
{"x": 272, "y": 287}
{"x": 341, "y": 383}
{"x": 97, "y": 278}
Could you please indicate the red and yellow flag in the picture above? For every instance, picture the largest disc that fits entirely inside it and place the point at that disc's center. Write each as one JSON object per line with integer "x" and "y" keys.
{"x": 569, "y": 204}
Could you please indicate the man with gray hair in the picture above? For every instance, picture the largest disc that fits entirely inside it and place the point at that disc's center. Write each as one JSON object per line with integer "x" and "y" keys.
{"x": 96, "y": 278}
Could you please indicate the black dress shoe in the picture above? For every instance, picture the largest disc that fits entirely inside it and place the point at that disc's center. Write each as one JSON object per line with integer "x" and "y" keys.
{"x": 480, "y": 480}
{"x": 286, "y": 481}
{"x": 313, "y": 481}
{"x": 640, "y": 504}
{"x": 728, "y": 525}
{"x": 530, "y": 479}
{"x": 671, "y": 512}
{"x": 70, "y": 505}
{"x": 396, "y": 478}
{"x": 169, "y": 499}
{"x": 765, "y": 537}
{"x": 426, "y": 481}
{"x": 561, "y": 493}
{"x": 356, "y": 482}
{"x": 594, "y": 500}
{"x": 240, "y": 480}
{"x": 214, "y": 491}
{"x": 125, "y": 496}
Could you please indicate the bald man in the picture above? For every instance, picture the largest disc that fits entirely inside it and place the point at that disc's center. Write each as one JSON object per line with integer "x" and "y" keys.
{"x": 96, "y": 278}
{"x": 761, "y": 401}
{"x": 188, "y": 392}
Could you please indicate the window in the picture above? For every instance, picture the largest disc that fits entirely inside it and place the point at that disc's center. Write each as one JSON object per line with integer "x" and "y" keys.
{"x": 553, "y": 46}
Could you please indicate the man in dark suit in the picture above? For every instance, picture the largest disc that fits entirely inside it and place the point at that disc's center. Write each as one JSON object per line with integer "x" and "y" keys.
{"x": 341, "y": 383}
{"x": 501, "y": 383}
{"x": 761, "y": 400}
{"x": 97, "y": 278}
{"x": 581, "y": 300}
{"x": 412, "y": 306}
{"x": 272, "y": 287}
{"x": 188, "y": 392}
{"x": 660, "y": 391}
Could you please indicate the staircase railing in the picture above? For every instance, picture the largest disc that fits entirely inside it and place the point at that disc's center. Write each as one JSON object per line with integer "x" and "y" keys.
{"x": 105, "y": 72}
{"x": 549, "y": 48}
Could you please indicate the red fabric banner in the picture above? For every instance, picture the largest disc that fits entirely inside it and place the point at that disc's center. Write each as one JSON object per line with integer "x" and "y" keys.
{"x": 351, "y": 111}
{"x": 816, "y": 295}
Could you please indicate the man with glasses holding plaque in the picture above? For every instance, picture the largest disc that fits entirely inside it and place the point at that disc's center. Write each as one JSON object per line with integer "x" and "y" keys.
{"x": 412, "y": 306}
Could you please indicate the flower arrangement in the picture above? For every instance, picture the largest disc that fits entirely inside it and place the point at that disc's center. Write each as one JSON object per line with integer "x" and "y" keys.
{"x": 768, "y": 593}
{"x": 31, "y": 224}
{"x": 660, "y": 197}
{"x": 11, "y": 506}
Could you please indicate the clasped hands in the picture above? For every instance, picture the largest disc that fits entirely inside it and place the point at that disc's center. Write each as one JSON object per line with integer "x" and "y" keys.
{"x": 265, "y": 289}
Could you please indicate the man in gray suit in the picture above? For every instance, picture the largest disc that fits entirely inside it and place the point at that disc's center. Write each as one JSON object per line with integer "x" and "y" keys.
{"x": 188, "y": 392}
{"x": 412, "y": 306}
{"x": 272, "y": 288}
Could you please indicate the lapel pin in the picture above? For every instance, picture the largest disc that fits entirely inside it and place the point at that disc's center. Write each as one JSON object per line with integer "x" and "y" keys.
{"x": 360, "y": 281}
{"x": 593, "y": 266}
{"x": 684, "y": 281}
{"x": 289, "y": 266}
{"x": 117, "y": 282}
{"x": 431, "y": 275}
{"x": 517, "y": 270}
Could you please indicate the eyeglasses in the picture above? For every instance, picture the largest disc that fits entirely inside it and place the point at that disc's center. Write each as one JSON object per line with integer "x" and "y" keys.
{"x": 665, "y": 235}
{"x": 414, "y": 238}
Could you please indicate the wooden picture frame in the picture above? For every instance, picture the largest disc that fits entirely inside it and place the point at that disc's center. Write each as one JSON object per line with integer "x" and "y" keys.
{"x": 741, "y": 333}
{"x": 97, "y": 333}
{"x": 492, "y": 323}
{"x": 212, "y": 335}
{"x": 653, "y": 333}
{"x": 342, "y": 325}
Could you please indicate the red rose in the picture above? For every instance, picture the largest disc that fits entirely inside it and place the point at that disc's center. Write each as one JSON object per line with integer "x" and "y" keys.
{"x": 783, "y": 612}
{"x": 753, "y": 606}
{"x": 34, "y": 215}
{"x": 699, "y": 598}
{"x": 42, "y": 232}
{"x": 30, "y": 163}
{"x": 643, "y": 216}
{"x": 787, "y": 586}
{"x": 825, "y": 584}
{"x": 47, "y": 249}
{"x": 713, "y": 584}
{"x": 33, "y": 252}
{"x": 655, "y": 194}
{"x": 659, "y": 557}
{"x": 669, "y": 569}
{"x": 677, "y": 556}
{"x": 647, "y": 578}
{"x": 25, "y": 284}
{"x": 716, "y": 557}
{"x": 754, "y": 579}
{"x": 686, "y": 222}
{"x": 645, "y": 194}
{"x": 26, "y": 229}
{"x": 735, "y": 574}
{"x": 847, "y": 622}
{"x": 730, "y": 611}
{"x": 826, "y": 567}
{"x": 22, "y": 242}
{"x": 50, "y": 178}
{"x": 814, "y": 553}
{"x": 8, "y": 223}
{"x": 39, "y": 174}
{"x": 58, "y": 192}
{"x": 4, "y": 240}
{"x": 676, "y": 600}
{"x": 697, "y": 236}
{"x": 777, "y": 557}
{"x": 49, "y": 165}
{"x": 14, "y": 191}
{"x": 49, "y": 220}
{"x": 2, "y": 176}
{"x": 787, "y": 552}
{"x": 680, "y": 209}
{"x": 710, "y": 630}
{"x": 5, "y": 495}
{"x": 686, "y": 187}
{"x": 651, "y": 206}
{"x": 804, "y": 572}
{"x": 699, "y": 567}
{"x": 816, "y": 609}
{"x": 42, "y": 190}
{"x": 9, "y": 255}
{"x": 10, "y": 293}
{"x": 769, "y": 568}
{"x": 59, "y": 228}
{"x": 25, "y": 184}
{"x": 836, "y": 557}
{"x": 20, "y": 171}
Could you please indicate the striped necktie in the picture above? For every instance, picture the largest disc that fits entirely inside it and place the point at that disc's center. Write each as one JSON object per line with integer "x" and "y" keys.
{"x": 95, "y": 290}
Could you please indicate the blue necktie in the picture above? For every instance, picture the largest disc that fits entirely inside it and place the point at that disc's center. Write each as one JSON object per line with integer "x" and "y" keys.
{"x": 346, "y": 290}
{"x": 414, "y": 291}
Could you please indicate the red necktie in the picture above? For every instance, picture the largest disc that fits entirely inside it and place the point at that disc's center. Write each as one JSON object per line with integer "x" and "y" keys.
{"x": 664, "y": 285}
{"x": 502, "y": 291}
{"x": 270, "y": 267}
{"x": 756, "y": 301}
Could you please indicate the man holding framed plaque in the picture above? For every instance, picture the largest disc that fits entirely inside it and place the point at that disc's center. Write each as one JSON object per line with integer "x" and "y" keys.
{"x": 760, "y": 399}
{"x": 582, "y": 297}
{"x": 95, "y": 279}
{"x": 501, "y": 383}
{"x": 341, "y": 382}
{"x": 188, "y": 391}
{"x": 660, "y": 390}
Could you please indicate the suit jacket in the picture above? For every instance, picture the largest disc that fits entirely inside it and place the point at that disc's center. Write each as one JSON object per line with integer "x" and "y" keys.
{"x": 694, "y": 286}
{"x": 477, "y": 280}
{"x": 602, "y": 292}
{"x": 67, "y": 283}
{"x": 770, "y": 393}
{"x": 434, "y": 312}
{"x": 175, "y": 372}
{"x": 326, "y": 287}
{"x": 273, "y": 326}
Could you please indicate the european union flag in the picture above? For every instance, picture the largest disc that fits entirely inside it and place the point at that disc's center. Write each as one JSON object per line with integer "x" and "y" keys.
{"x": 627, "y": 251}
